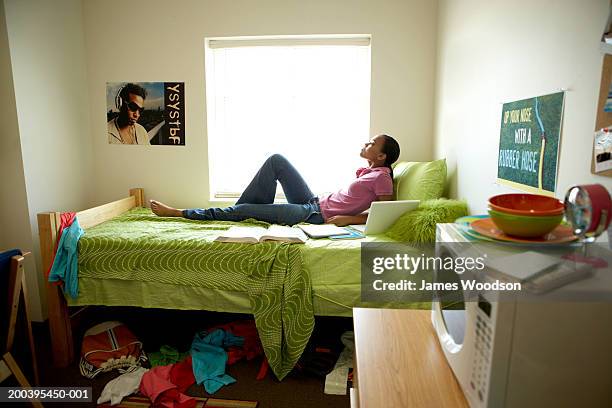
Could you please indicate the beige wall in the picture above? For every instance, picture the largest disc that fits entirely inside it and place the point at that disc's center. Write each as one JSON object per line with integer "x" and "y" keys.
{"x": 490, "y": 52}
{"x": 14, "y": 219}
{"x": 51, "y": 96}
{"x": 164, "y": 41}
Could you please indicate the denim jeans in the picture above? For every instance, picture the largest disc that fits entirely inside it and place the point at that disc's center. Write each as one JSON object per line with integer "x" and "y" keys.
{"x": 257, "y": 200}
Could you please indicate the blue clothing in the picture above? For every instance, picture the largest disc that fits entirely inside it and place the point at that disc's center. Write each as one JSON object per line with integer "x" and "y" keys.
{"x": 257, "y": 199}
{"x": 65, "y": 265}
{"x": 5, "y": 260}
{"x": 209, "y": 358}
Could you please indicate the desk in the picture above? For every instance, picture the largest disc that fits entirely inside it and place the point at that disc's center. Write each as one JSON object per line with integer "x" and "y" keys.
{"x": 399, "y": 362}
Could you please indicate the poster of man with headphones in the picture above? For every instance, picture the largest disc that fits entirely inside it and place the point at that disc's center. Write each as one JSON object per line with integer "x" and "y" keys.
{"x": 145, "y": 113}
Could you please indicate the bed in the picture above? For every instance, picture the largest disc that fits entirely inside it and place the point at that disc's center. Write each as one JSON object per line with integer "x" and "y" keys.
{"x": 130, "y": 257}
{"x": 284, "y": 292}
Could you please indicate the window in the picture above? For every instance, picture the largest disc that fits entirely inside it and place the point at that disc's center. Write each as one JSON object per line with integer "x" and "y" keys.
{"x": 307, "y": 98}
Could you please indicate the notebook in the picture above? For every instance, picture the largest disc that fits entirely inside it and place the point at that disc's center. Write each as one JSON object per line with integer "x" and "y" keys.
{"x": 322, "y": 230}
{"x": 350, "y": 234}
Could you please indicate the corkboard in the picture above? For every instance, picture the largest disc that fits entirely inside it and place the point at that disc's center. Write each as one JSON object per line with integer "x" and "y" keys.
{"x": 603, "y": 118}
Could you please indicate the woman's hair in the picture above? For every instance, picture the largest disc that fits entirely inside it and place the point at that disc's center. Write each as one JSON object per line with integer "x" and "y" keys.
{"x": 392, "y": 149}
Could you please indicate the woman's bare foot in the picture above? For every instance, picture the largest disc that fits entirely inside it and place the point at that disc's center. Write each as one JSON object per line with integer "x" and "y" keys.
{"x": 165, "y": 211}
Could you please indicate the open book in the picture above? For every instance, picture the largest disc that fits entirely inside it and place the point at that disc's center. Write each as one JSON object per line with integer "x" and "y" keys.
{"x": 259, "y": 234}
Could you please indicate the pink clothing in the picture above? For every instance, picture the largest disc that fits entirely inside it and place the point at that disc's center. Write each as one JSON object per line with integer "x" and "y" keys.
{"x": 367, "y": 187}
{"x": 157, "y": 385}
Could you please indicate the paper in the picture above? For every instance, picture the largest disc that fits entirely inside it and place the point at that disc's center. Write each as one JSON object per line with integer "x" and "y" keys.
{"x": 335, "y": 381}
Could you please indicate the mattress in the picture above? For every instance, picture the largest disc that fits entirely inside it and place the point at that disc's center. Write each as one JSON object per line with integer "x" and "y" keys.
{"x": 333, "y": 267}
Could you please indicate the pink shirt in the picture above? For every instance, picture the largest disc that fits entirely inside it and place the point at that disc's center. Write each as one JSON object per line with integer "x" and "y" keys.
{"x": 369, "y": 184}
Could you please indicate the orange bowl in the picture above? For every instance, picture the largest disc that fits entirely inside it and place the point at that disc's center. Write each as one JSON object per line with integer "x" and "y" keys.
{"x": 526, "y": 204}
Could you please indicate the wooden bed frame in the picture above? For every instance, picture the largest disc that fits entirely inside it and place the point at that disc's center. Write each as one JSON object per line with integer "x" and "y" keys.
{"x": 61, "y": 322}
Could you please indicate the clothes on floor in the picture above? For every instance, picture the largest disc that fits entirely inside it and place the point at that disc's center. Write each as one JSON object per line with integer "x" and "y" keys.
{"x": 166, "y": 384}
{"x": 251, "y": 346}
{"x": 122, "y": 386}
{"x": 65, "y": 265}
{"x": 157, "y": 385}
{"x": 181, "y": 374}
{"x": 166, "y": 355}
{"x": 209, "y": 358}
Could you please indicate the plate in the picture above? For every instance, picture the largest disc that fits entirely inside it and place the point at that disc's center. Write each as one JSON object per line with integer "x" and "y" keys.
{"x": 463, "y": 225}
{"x": 559, "y": 235}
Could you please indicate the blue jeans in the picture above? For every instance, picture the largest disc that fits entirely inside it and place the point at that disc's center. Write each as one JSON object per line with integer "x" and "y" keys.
{"x": 257, "y": 200}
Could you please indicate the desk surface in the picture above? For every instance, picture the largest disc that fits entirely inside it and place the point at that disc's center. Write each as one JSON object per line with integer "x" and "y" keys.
{"x": 400, "y": 362}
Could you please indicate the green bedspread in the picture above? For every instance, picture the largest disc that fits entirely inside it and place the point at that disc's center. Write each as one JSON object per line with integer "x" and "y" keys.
{"x": 139, "y": 246}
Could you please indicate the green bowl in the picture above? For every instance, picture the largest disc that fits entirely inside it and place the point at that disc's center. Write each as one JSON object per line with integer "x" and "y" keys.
{"x": 525, "y": 226}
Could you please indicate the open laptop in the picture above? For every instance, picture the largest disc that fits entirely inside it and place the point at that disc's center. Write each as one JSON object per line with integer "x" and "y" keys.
{"x": 383, "y": 214}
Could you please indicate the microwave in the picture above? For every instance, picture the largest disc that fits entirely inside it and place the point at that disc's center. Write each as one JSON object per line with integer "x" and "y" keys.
{"x": 528, "y": 354}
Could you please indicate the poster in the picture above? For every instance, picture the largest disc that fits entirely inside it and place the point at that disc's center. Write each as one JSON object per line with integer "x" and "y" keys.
{"x": 602, "y": 149}
{"x": 600, "y": 159}
{"x": 529, "y": 142}
{"x": 145, "y": 113}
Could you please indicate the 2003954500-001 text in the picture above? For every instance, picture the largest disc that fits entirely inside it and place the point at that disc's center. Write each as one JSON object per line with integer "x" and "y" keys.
{"x": 45, "y": 394}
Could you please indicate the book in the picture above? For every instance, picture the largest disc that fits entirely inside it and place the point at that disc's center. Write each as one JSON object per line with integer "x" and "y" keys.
{"x": 322, "y": 230}
{"x": 255, "y": 235}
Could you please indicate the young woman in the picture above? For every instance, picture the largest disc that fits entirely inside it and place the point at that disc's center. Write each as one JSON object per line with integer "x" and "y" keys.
{"x": 343, "y": 207}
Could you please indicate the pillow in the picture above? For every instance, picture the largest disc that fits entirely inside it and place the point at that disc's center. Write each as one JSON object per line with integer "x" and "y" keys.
{"x": 419, "y": 180}
{"x": 419, "y": 226}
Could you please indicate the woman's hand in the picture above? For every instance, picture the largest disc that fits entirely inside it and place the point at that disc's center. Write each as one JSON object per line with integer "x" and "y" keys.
{"x": 340, "y": 220}
{"x": 344, "y": 220}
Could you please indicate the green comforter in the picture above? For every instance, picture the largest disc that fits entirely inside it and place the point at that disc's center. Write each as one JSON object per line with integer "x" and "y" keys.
{"x": 141, "y": 246}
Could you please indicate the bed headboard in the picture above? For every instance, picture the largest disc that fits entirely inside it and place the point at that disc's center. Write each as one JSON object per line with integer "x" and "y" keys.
{"x": 97, "y": 215}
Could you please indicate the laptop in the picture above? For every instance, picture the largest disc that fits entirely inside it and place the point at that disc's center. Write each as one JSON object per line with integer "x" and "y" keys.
{"x": 383, "y": 214}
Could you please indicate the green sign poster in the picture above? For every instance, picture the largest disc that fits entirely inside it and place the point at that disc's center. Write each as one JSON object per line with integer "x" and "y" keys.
{"x": 529, "y": 142}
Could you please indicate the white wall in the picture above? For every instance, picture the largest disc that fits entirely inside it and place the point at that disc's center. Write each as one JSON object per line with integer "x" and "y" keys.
{"x": 51, "y": 94}
{"x": 490, "y": 52}
{"x": 164, "y": 41}
{"x": 14, "y": 219}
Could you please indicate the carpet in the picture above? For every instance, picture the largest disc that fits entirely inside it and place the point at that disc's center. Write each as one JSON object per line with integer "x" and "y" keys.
{"x": 144, "y": 402}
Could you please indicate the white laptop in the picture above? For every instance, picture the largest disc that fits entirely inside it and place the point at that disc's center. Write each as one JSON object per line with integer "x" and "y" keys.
{"x": 383, "y": 214}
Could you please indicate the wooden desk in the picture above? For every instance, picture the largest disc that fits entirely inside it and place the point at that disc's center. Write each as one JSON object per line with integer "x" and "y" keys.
{"x": 399, "y": 362}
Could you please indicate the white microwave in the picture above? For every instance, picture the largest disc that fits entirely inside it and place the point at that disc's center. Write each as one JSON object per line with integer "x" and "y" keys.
{"x": 518, "y": 354}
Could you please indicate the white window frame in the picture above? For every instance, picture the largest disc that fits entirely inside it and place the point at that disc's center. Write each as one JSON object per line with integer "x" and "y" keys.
{"x": 244, "y": 41}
